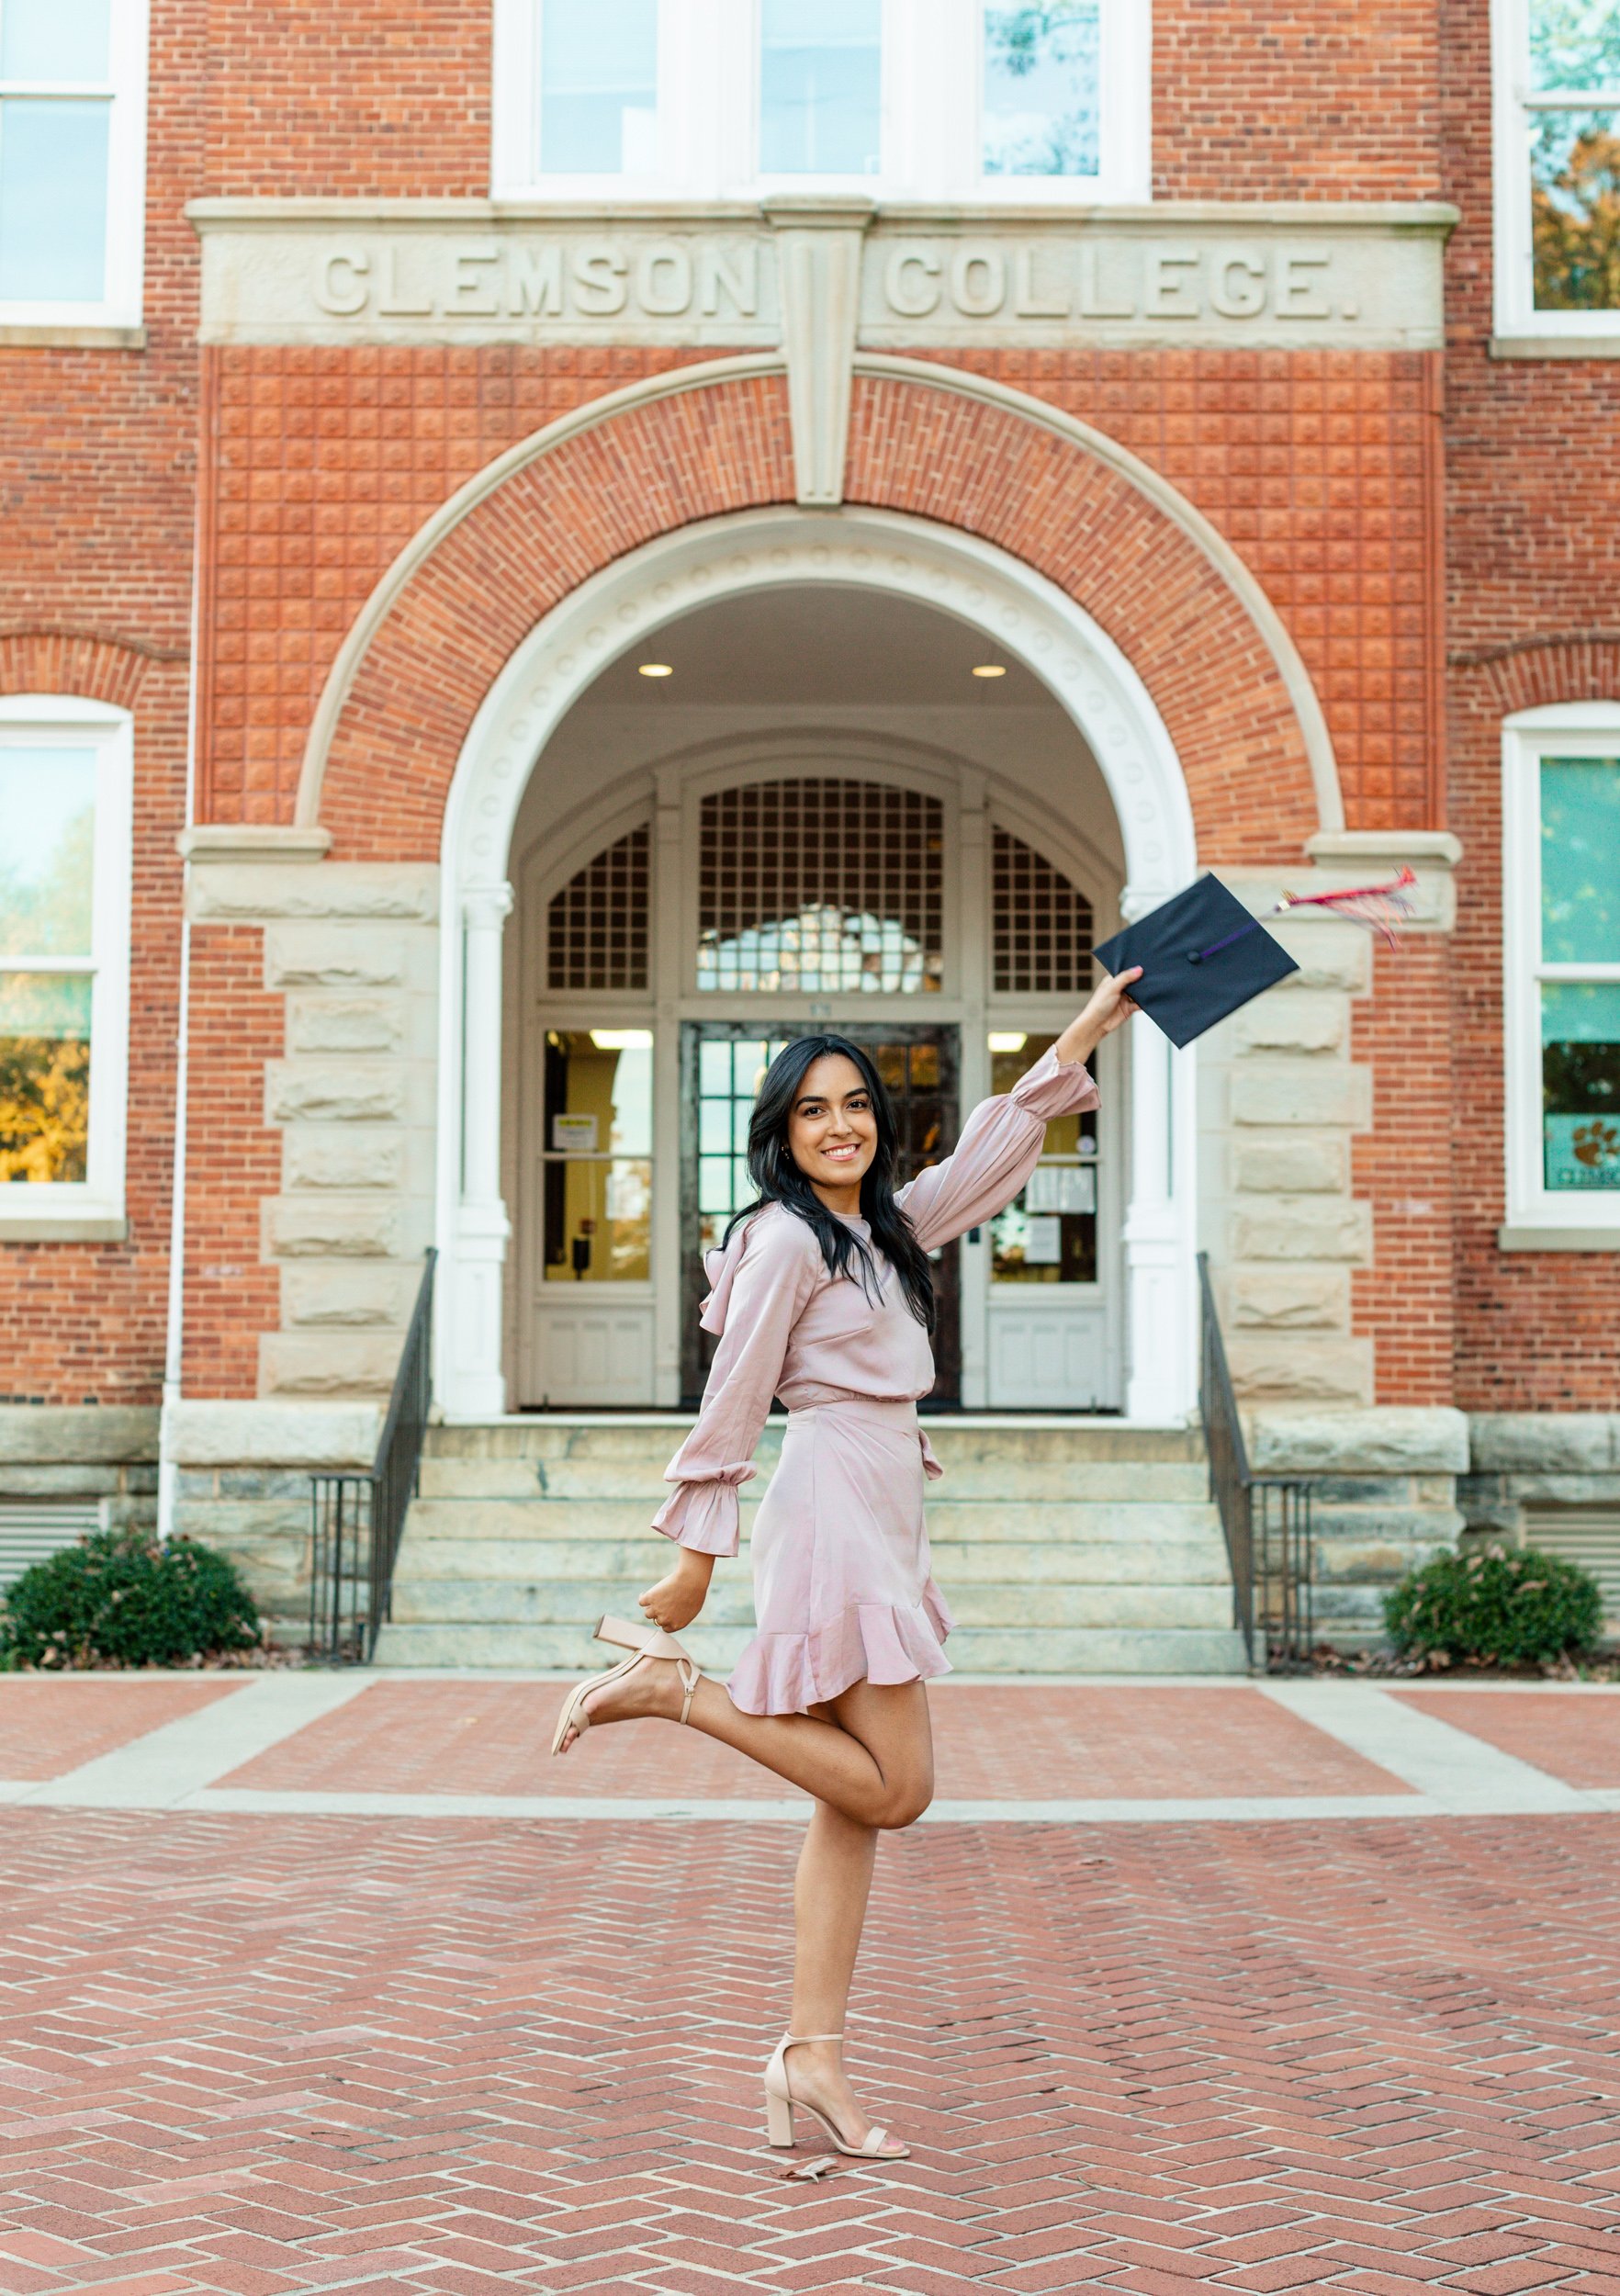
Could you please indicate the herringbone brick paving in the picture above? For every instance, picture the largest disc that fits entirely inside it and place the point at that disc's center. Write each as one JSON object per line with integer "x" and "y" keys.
{"x": 290, "y": 2054}
{"x": 1571, "y": 1732}
{"x": 49, "y": 1725}
{"x": 1102, "y": 1742}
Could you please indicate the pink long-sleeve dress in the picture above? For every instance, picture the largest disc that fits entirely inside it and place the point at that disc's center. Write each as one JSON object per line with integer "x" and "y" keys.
{"x": 842, "y": 1590}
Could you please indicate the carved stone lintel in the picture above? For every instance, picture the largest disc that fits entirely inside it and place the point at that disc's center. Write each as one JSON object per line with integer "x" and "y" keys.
{"x": 818, "y": 264}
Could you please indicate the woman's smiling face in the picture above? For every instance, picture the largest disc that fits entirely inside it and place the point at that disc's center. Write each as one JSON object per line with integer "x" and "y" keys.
{"x": 832, "y": 1129}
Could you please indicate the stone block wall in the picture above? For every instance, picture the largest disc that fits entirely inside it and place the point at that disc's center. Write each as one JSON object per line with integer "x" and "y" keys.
{"x": 347, "y": 1103}
{"x": 1384, "y": 1502}
{"x": 107, "y": 1453}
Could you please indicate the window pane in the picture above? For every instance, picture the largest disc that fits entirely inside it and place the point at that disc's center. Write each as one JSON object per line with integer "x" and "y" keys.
{"x": 44, "y": 1075}
{"x": 599, "y": 87}
{"x": 1066, "y": 1136}
{"x": 598, "y": 1221}
{"x": 1575, "y": 210}
{"x": 599, "y": 1090}
{"x": 1581, "y": 860}
{"x": 53, "y": 200}
{"x": 820, "y": 87}
{"x": 54, "y": 39}
{"x": 1580, "y": 1084}
{"x": 47, "y": 833}
{"x": 1042, "y": 89}
{"x": 821, "y": 887}
{"x": 1574, "y": 44}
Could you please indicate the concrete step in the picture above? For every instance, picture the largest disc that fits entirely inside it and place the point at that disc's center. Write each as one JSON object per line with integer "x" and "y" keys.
{"x": 971, "y": 1436}
{"x": 580, "y": 1603}
{"x": 969, "y": 1522}
{"x": 973, "y": 1650}
{"x": 634, "y": 1563}
{"x": 642, "y": 1479}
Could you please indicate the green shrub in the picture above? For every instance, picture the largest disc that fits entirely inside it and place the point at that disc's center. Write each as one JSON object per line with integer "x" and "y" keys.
{"x": 1497, "y": 1607}
{"x": 121, "y": 1599}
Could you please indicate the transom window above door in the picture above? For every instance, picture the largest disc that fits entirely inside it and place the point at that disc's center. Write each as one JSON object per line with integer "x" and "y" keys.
{"x": 908, "y": 99}
{"x": 821, "y": 887}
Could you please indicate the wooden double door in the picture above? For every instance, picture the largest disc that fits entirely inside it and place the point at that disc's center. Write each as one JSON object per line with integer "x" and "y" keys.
{"x": 721, "y": 1062}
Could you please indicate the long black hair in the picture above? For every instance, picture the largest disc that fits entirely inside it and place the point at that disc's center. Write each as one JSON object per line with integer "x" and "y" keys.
{"x": 779, "y": 1181}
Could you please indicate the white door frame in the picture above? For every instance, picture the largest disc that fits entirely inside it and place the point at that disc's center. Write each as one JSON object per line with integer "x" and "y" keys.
{"x": 699, "y": 565}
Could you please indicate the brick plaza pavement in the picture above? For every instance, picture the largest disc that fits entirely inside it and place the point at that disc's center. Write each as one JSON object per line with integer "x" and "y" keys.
{"x": 254, "y": 2040}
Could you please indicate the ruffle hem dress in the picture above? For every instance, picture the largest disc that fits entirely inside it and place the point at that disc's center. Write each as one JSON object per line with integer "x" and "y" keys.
{"x": 842, "y": 1590}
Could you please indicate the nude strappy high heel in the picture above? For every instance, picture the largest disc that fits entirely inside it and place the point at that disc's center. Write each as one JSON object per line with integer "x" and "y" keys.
{"x": 781, "y": 2102}
{"x": 642, "y": 1642}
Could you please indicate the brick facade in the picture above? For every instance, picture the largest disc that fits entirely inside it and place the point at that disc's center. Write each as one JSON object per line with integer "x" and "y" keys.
{"x": 1436, "y": 535}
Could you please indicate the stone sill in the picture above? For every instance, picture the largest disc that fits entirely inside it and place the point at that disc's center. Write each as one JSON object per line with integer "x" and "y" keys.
{"x": 1559, "y": 1239}
{"x": 48, "y": 336}
{"x": 37, "y": 1231}
{"x": 1606, "y": 346}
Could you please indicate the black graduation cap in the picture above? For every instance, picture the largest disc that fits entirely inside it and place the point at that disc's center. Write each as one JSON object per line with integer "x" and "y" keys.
{"x": 1202, "y": 954}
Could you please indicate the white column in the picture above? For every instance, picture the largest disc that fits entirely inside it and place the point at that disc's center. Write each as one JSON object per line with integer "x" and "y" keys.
{"x": 474, "y": 1380}
{"x": 1158, "y": 1291}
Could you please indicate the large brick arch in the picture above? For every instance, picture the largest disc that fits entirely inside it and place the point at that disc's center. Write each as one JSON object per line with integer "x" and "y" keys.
{"x": 927, "y": 443}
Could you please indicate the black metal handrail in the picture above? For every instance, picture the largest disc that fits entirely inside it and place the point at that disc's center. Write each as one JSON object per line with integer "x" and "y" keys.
{"x": 1265, "y": 1518}
{"x": 357, "y": 1519}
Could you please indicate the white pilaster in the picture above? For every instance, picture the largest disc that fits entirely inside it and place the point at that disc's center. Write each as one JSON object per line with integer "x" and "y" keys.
{"x": 1159, "y": 1380}
{"x": 473, "y": 1301}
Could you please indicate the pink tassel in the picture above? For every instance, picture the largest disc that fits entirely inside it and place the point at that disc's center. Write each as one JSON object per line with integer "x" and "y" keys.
{"x": 1382, "y": 907}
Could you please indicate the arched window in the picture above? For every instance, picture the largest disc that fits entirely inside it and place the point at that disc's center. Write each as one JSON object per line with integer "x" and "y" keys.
{"x": 1041, "y": 924}
{"x": 65, "y": 802}
{"x": 598, "y": 925}
{"x": 820, "y": 886}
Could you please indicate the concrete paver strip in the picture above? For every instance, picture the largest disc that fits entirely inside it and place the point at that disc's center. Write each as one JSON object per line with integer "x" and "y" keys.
{"x": 1566, "y": 1729}
{"x": 1451, "y": 1769}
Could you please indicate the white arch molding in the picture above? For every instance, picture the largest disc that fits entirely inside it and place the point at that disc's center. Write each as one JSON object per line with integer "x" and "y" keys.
{"x": 931, "y": 565}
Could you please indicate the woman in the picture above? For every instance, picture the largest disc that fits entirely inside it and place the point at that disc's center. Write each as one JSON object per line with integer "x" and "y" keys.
{"x": 823, "y": 1295}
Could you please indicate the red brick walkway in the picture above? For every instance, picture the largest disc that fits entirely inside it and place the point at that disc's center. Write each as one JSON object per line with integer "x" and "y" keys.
{"x": 1097, "y": 1741}
{"x": 453, "y": 2054}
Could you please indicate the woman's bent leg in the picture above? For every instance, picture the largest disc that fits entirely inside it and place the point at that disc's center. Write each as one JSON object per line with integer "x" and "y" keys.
{"x": 874, "y": 1763}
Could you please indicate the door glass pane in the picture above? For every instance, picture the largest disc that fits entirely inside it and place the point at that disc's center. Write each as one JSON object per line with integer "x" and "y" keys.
{"x": 1049, "y": 1234}
{"x": 44, "y": 1076}
{"x": 54, "y": 39}
{"x": 1574, "y": 44}
{"x": 1575, "y": 210}
{"x": 597, "y": 1172}
{"x": 597, "y": 1219}
{"x": 599, "y": 72}
{"x": 53, "y": 200}
{"x": 1042, "y": 89}
{"x": 47, "y": 851}
{"x": 1581, "y": 860}
{"x": 820, "y": 85}
{"x": 1580, "y": 1084}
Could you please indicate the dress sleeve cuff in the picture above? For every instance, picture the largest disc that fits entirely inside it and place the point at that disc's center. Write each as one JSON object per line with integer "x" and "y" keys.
{"x": 1055, "y": 1088}
{"x": 704, "y": 1516}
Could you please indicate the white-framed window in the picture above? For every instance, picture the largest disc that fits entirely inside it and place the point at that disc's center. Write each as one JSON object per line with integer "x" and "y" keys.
{"x": 66, "y": 791}
{"x": 959, "y": 100}
{"x": 1557, "y": 141}
{"x": 1561, "y": 958}
{"x": 73, "y": 162}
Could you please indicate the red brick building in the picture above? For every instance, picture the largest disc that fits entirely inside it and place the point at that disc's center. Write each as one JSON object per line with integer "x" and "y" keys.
{"x": 1047, "y": 451}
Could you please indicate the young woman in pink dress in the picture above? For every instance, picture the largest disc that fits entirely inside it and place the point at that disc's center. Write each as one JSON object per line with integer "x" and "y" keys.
{"x": 823, "y": 1296}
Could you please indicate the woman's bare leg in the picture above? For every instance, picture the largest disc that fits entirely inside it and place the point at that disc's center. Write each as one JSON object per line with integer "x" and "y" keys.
{"x": 874, "y": 1765}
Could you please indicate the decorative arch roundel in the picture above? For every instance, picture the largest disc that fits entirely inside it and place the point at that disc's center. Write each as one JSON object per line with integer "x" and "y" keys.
{"x": 927, "y": 443}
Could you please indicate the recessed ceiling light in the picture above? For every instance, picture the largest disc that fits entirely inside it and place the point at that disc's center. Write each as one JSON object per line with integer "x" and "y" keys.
{"x": 656, "y": 668}
{"x": 1007, "y": 1039}
{"x": 988, "y": 669}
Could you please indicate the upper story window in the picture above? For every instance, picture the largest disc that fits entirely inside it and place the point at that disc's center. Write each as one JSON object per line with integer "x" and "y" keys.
{"x": 71, "y": 158}
{"x": 820, "y": 103}
{"x": 64, "y": 927}
{"x": 1558, "y": 167}
{"x": 1562, "y": 865}
{"x": 956, "y": 100}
